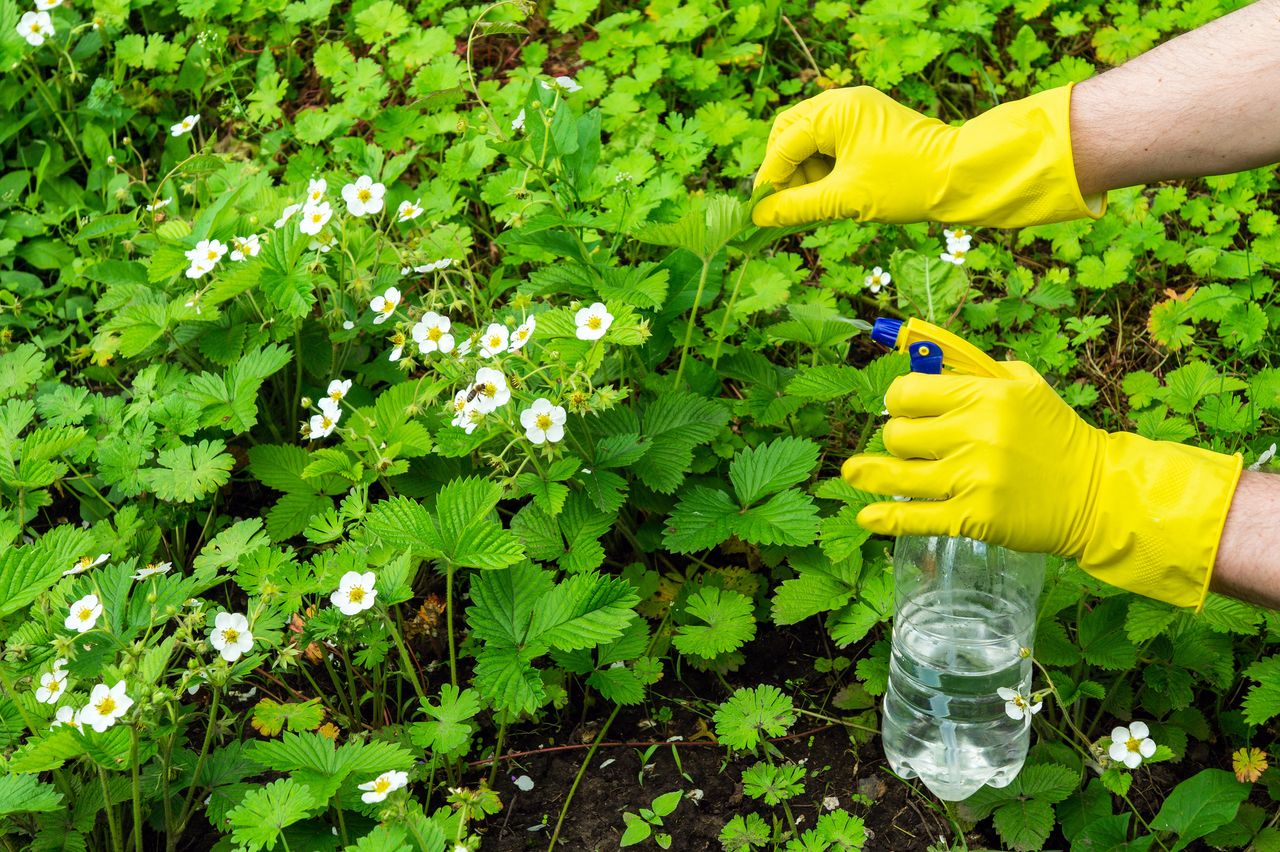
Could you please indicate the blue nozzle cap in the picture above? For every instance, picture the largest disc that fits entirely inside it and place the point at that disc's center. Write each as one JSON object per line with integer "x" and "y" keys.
{"x": 926, "y": 357}
{"x": 885, "y": 332}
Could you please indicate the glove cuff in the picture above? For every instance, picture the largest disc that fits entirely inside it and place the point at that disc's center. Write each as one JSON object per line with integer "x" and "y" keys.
{"x": 1013, "y": 167}
{"x": 1158, "y": 517}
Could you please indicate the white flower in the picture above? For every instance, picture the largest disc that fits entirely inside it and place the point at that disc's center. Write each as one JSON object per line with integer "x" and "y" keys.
{"x": 348, "y": 325}
{"x": 385, "y": 305}
{"x": 830, "y": 803}
{"x": 185, "y": 126}
{"x": 398, "y": 350}
{"x": 205, "y": 256}
{"x": 286, "y": 214}
{"x": 159, "y": 205}
{"x": 1017, "y": 706}
{"x": 877, "y": 279}
{"x": 152, "y": 569}
{"x": 323, "y": 424}
{"x": 231, "y": 636}
{"x": 35, "y": 27}
{"x": 543, "y": 422}
{"x": 593, "y": 322}
{"x": 243, "y": 248}
{"x": 378, "y": 788}
{"x": 364, "y": 196}
{"x": 1267, "y": 455}
{"x": 565, "y": 84}
{"x": 1132, "y": 744}
{"x": 84, "y": 563}
{"x": 442, "y": 263}
{"x": 468, "y": 416}
{"x": 84, "y": 614}
{"x": 47, "y": 5}
{"x": 521, "y": 335}
{"x": 517, "y": 123}
{"x": 355, "y": 592}
{"x": 106, "y": 705}
{"x": 52, "y": 685}
{"x": 492, "y": 392}
{"x": 959, "y": 238}
{"x": 955, "y": 254}
{"x": 338, "y": 389}
{"x": 524, "y": 782}
{"x": 60, "y": 664}
{"x": 65, "y": 716}
{"x": 315, "y": 217}
{"x": 464, "y": 347}
{"x": 431, "y": 333}
{"x": 494, "y": 340}
{"x": 408, "y": 210}
{"x": 316, "y": 190}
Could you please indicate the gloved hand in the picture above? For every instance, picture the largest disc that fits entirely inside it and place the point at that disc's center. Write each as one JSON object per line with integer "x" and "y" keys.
{"x": 1008, "y": 462}
{"x": 1009, "y": 167}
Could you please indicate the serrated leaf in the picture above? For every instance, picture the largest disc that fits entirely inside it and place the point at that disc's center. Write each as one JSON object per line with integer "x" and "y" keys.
{"x": 27, "y": 572}
{"x": 674, "y": 424}
{"x": 1147, "y": 618}
{"x": 788, "y": 517}
{"x": 583, "y": 611}
{"x": 262, "y": 816}
{"x": 771, "y": 467}
{"x": 188, "y": 472}
{"x": 1263, "y": 701}
{"x": 703, "y": 518}
{"x": 1024, "y": 825}
{"x": 729, "y": 623}
{"x": 270, "y": 717}
{"x": 1102, "y": 636}
{"x": 21, "y": 794}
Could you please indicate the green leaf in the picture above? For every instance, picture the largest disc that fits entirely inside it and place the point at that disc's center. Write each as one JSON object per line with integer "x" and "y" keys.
{"x": 469, "y": 535}
{"x": 583, "y": 611}
{"x": 261, "y": 817}
{"x": 1024, "y": 825}
{"x": 771, "y": 467}
{"x": 1102, "y": 636}
{"x": 19, "y": 369}
{"x": 926, "y": 284}
{"x": 188, "y": 472}
{"x": 1198, "y": 805}
{"x": 637, "y": 831}
{"x": 451, "y": 728}
{"x": 270, "y": 717}
{"x": 705, "y": 228}
{"x": 507, "y": 678}
{"x": 27, "y": 572}
{"x": 404, "y": 523}
{"x": 287, "y": 283}
{"x": 21, "y": 794}
{"x": 619, "y": 685}
{"x": 826, "y": 382}
{"x": 1147, "y": 618}
{"x": 666, "y": 803}
{"x": 730, "y": 623}
{"x": 1263, "y": 701}
{"x": 502, "y": 602}
{"x": 753, "y": 713}
{"x": 674, "y": 424}
{"x": 817, "y": 588}
{"x": 1051, "y": 782}
{"x": 703, "y": 518}
{"x": 788, "y": 517}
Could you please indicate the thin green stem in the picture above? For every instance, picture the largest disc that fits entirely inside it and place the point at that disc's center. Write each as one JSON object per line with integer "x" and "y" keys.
{"x": 448, "y": 624}
{"x": 497, "y": 750}
{"x": 693, "y": 317}
{"x": 405, "y": 659}
{"x": 728, "y": 312}
{"x": 189, "y": 801}
{"x": 582, "y": 770}
{"x": 137, "y": 790}
{"x": 116, "y": 843}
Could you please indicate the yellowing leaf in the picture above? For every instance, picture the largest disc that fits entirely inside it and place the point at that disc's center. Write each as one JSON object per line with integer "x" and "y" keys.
{"x": 1249, "y": 764}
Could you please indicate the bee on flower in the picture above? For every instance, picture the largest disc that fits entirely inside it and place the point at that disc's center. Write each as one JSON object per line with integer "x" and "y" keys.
{"x": 490, "y": 391}
{"x": 385, "y": 305}
{"x": 315, "y": 217}
{"x": 494, "y": 340}
{"x": 185, "y": 126}
{"x": 106, "y": 705}
{"x": 231, "y": 636}
{"x": 84, "y": 563}
{"x": 379, "y": 788}
{"x": 364, "y": 197}
{"x": 153, "y": 569}
{"x": 543, "y": 422}
{"x": 877, "y": 280}
{"x": 243, "y": 248}
{"x": 35, "y": 27}
{"x": 593, "y": 322}
{"x": 408, "y": 211}
{"x": 1131, "y": 745}
{"x": 323, "y": 424}
{"x": 431, "y": 333}
{"x": 355, "y": 592}
{"x": 84, "y": 614}
{"x": 522, "y": 334}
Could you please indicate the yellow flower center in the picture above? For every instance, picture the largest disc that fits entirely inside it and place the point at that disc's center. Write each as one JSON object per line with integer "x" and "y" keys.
{"x": 388, "y": 306}
{"x": 213, "y": 255}
{"x": 106, "y": 706}
{"x": 85, "y": 613}
{"x": 494, "y": 341}
{"x": 364, "y": 195}
{"x": 382, "y": 785}
{"x": 489, "y": 389}
{"x": 35, "y": 26}
{"x": 355, "y": 594}
{"x": 435, "y": 333}
{"x": 317, "y": 217}
{"x": 1019, "y": 702}
{"x": 1133, "y": 744}
{"x": 84, "y": 562}
{"x": 317, "y": 195}
{"x": 54, "y": 686}
{"x": 336, "y": 396}
{"x": 543, "y": 421}
{"x": 326, "y": 423}
{"x": 594, "y": 322}
{"x": 231, "y": 635}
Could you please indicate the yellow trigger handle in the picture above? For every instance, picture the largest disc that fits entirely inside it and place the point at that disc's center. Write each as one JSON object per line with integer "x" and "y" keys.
{"x": 958, "y": 354}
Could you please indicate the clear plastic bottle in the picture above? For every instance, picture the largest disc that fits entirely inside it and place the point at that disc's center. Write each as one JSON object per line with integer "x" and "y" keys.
{"x": 964, "y": 626}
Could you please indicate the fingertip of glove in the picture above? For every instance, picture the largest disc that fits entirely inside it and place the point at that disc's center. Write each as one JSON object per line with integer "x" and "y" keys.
{"x": 877, "y": 517}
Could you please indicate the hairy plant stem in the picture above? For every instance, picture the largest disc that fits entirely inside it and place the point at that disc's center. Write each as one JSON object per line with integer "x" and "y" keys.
{"x": 137, "y": 790}
{"x": 448, "y": 624}
{"x": 693, "y": 318}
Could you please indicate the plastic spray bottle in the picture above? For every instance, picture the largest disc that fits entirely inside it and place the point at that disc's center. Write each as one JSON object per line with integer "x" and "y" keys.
{"x": 963, "y": 628}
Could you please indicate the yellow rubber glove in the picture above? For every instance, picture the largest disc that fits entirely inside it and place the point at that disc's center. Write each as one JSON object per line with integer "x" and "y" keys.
{"x": 1008, "y": 462}
{"x": 1009, "y": 167}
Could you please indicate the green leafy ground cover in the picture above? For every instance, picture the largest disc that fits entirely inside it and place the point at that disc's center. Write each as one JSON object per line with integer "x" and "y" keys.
{"x": 330, "y": 566}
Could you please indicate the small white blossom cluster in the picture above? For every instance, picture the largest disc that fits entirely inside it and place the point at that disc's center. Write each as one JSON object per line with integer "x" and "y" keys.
{"x": 36, "y": 26}
{"x": 356, "y": 592}
{"x": 105, "y": 706}
{"x": 1131, "y": 745}
{"x": 434, "y": 266}
{"x": 379, "y": 788}
{"x": 877, "y": 280}
{"x": 321, "y": 425}
{"x": 958, "y": 243}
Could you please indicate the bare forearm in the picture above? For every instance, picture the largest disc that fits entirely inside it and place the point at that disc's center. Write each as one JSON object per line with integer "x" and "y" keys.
{"x": 1204, "y": 103}
{"x": 1248, "y": 565}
